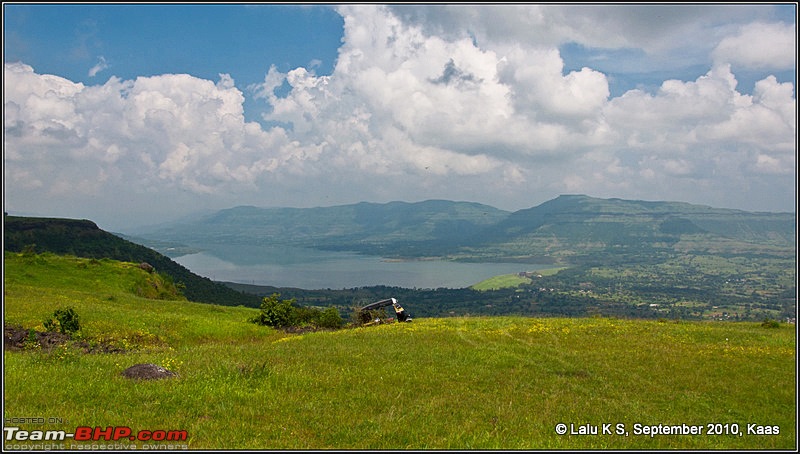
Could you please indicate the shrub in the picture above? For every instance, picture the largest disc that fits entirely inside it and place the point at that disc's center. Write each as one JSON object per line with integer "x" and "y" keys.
{"x": 64, "y": 320}
{"x": 330, "y": 318}
{"x": 304, "y": 316}
{"x": 280, "y": 313}
{"x": 769, "y": 323}
{"x": 276, "y": 312}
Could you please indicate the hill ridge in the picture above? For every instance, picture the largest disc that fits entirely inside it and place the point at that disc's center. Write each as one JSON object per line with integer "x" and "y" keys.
{"x": 438, "y": 227}
{"x": 83, "y": 238}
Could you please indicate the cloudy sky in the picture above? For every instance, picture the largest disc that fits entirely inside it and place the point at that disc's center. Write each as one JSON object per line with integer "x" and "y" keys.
{"x": 137, "y": 114}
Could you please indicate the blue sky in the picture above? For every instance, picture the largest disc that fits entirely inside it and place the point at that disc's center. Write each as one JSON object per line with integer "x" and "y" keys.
{"x": 203, "y": 40}
{"x": 135, "y": 114}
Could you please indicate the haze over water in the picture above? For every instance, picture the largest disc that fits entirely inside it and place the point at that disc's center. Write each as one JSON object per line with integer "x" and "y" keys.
{"x": 314, "y": 269}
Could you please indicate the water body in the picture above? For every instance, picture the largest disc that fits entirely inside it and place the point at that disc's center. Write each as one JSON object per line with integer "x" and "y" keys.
{"x": 314, "y": 269}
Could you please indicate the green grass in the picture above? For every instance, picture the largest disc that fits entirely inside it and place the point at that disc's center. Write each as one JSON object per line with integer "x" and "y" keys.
{"x": 511, "y": 280}
{"x": 502, "y": 281}
{"x": 455, "y": 383}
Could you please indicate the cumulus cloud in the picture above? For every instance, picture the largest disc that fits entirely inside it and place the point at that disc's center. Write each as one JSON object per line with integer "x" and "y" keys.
{"x": 760, "y": 45}
{"x": 653, "y": 28}
{"x": 169, "y": 131}
{"x": 411, "y": 111}
{"x": 391, "y": 79}
{"x": 513, "y": 103}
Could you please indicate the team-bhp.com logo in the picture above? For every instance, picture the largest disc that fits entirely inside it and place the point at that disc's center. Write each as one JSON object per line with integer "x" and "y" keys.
{"x": 86, "y": 433}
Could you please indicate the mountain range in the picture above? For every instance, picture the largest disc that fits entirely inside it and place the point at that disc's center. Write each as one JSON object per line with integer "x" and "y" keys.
{"x": 662, "y": 252}
{"x": 569, "y": 228}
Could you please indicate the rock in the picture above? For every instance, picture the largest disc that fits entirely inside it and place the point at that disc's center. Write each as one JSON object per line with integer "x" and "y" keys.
{"x": 147, "y": 267}
{"x": 147, "y": 372}
{"x": 18, "y": 338}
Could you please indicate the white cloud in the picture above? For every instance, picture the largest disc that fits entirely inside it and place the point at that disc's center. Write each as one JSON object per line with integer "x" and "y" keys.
{"x": 760, "y": 45}
{"x": 100, "y": 66}
{"x": 766, "y": 120}
{"x": 705, "y": 112}
{"x": 540, "y": 88}
{"x": 657, "y": 29}
{"x": 170, "y": 131}
{"x": 438, "y": 93}
{"x": 410, "y": 114}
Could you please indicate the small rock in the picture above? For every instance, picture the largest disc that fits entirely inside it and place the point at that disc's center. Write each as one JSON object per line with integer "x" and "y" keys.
{"x": 147, "y": 372}
{"x": 147, "y": 267}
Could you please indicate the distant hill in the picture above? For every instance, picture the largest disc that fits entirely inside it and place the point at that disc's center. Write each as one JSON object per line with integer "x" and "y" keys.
{"x": 423, "y": 228}
{"x": 577, "y": 226}
{"x": 83, "y": 238}
{"x": 568, "y": 228}
{"x": 651, "y": 218}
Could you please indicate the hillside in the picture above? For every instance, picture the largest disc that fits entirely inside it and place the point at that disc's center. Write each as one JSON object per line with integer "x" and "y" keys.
{"x": 578, "y": 228}
{"x": 463, "y": 383}
{"x": 83, "y": 238}
{"x": 570, "y": 228}
{"x": 365, "y": 227}
{"x": 624, "y": 258}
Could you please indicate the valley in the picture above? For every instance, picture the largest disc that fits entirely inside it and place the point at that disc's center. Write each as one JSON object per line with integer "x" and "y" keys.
{"x": 644, "y": 320}
{"x": 615, "y": 257}
{"x": 618, "y": 257}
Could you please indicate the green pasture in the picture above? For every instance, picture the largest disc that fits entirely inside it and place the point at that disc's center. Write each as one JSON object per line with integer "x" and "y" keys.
{"x": 512, "y": 280}
{"x": 447, "y": 383}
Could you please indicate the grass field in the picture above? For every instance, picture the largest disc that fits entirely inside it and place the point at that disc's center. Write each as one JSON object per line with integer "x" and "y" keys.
{"x": 454, "y": 383}
{"x": 511, "y": 280}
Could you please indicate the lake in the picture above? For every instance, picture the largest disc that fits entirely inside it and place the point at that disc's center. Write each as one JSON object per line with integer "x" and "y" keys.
{"x": 315, "y": 269}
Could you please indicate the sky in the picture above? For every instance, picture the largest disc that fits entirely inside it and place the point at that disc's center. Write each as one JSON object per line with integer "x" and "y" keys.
{"x": 139, "y": 114}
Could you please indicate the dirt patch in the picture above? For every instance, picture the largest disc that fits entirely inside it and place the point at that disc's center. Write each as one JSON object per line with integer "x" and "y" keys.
{"x": 19, "y": 338}
{"x": 147, "y": 372}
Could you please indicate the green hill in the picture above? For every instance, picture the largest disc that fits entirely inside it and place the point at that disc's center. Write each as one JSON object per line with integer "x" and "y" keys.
{"x": 657, "y": 220}
{"x": 570, "y": 228}
{"x": 434, "y": 384}
{"x": 82, "y": 238}
{"x": 578, "y": 228}
{"x": 429, "y": 227}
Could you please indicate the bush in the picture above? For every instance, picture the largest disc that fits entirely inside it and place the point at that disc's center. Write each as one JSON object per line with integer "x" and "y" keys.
{"x": 330, "y": 318}
{"x": 769, "y": 323}
{"x": 280, "y": 313}
{"x": 276, "y": 312}
{"x": 64, "y": 320}
{"x": 304, "y": 316}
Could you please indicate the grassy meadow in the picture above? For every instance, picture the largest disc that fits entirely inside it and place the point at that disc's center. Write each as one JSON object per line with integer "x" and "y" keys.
{"x": 512, "y": 280}
{"x": 448, "y": 383}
